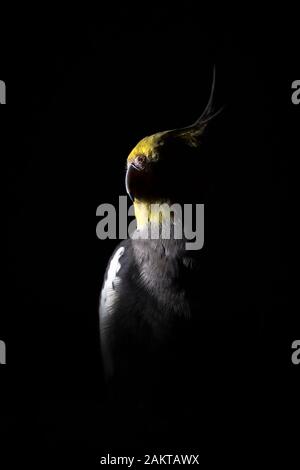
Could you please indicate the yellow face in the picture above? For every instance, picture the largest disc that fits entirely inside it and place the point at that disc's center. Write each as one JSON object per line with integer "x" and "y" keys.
{"x": 155, "y": 169}
{"x": 148, "y": 147}
{"x": 159, "y": 163}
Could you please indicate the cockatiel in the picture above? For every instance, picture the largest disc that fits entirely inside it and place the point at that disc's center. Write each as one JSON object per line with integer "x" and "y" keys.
{"x": 152, "y": 321}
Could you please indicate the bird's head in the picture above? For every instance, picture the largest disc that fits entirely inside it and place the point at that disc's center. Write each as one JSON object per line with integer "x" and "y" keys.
{"x": 160, "y": 166}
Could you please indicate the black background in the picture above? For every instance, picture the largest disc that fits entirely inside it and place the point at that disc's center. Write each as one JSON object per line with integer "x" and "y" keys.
{"x": 80, "y": 95}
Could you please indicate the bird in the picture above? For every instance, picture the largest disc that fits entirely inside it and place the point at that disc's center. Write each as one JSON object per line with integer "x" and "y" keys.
{"x": 155, "y": 327}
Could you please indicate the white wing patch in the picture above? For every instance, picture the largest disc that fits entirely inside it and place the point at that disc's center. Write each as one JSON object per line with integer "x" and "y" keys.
{"x": 109, "y": 293}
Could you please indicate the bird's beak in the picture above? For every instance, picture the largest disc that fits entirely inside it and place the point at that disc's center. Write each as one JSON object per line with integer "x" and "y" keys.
{"x": 139, "y": 182}
{"x": 131, "y": 177}
{"x": 136, "y": 181}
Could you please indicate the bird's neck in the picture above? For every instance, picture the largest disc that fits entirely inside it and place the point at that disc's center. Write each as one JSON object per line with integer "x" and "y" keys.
{"x": 160, "y": 231}
{"x": 167, "y": 268}
{"x": 158, "y": 213}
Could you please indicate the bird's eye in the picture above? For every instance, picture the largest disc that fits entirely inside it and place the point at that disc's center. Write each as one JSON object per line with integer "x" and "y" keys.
{"x": 140, "y": 162}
